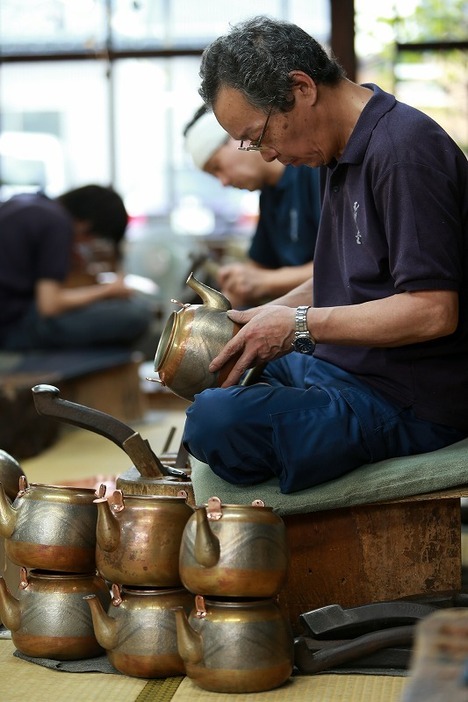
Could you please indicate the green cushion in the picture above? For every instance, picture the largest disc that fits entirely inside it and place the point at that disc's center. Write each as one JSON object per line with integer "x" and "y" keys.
{"x": 392, "y": 479}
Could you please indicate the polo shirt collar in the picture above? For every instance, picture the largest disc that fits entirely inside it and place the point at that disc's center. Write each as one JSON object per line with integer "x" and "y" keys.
{"x": 379, "y": 104}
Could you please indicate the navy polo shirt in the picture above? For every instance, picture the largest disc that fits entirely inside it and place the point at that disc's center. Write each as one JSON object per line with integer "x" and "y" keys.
{"x": 289, "y": 218}
{"x": 395, "y": 219}
{"x": 36, "y": 236}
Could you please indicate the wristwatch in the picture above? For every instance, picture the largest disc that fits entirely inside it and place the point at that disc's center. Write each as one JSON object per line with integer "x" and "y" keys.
{"x": 303, "y": 342}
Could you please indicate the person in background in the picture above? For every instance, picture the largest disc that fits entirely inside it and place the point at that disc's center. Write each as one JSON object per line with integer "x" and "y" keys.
{"x": 47, "y": 297}
{"x": 282, "y": 249}
{"x": 370, "y": 363}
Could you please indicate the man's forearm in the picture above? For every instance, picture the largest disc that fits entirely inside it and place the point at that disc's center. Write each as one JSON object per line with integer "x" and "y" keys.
{"x": 300, "y": 295}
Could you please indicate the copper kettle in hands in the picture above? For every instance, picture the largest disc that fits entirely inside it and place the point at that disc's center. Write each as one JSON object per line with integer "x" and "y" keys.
{"x": 192, "y": 337}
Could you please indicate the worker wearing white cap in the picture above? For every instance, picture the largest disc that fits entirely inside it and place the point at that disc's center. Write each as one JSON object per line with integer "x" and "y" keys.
{"x": 282, "y": 249}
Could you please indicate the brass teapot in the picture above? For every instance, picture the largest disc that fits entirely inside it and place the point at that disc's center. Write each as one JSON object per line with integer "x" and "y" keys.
{"x": 191, "y": 339}
{"x": 10, "y": 473}
{"x": 138, "y": 538}
{"x": 138, "y": 630}
{"x": 50, "y": 527}
{"x": 239, "y": 646}
{"x": 50, "y": 618}
{"x": 234, "y": 550}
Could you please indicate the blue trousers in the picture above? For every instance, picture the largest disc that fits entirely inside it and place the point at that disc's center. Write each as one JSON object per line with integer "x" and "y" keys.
{"x": 307, "y": 423}
{"x": 107, "y": 323}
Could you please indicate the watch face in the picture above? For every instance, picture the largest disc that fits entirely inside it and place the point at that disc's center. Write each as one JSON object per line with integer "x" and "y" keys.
{"x": 304, "y": 344}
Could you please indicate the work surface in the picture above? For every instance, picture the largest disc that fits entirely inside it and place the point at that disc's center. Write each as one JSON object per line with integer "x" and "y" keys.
{"x": 21, "y": 680}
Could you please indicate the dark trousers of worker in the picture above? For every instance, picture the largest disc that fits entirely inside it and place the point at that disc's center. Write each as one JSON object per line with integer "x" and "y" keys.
{"x": 307, "y": 423}
{"x": 107, "y": 323}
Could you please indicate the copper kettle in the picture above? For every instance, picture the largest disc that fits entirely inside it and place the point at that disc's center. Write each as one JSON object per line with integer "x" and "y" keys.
{"x": 138, "y": 630}
{"x": 191, "y": 338}
{"x": 50, "y": 618}
{"x": 234, "y": 550}
{"x": 138, "y": 538}
{"x": 235, "y": 646}
{"x": 50, "y": 527}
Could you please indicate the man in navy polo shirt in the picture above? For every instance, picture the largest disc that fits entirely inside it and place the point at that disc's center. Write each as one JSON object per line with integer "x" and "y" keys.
{"x": 47, "y": 298}
{"x": 387, "y": 319}
{"x": 281, "y": 252}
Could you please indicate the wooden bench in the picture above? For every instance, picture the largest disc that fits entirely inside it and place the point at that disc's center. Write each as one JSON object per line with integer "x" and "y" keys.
{"x": 386, "y": 531}
{"x": 105, "y": 379}
{"x": 374, "y": 553}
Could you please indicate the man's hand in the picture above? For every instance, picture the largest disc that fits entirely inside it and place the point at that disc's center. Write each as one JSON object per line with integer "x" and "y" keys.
{"x": 54, "y": 298}
{"x": 117, "y": 287}
{"x": 248, "y": 284}
{"x": 243, "y": 284}
{"x": 266, "y": 334}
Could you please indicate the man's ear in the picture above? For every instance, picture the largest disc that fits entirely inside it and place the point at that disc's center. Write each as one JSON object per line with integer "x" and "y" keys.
{"x": 304, "y": 87}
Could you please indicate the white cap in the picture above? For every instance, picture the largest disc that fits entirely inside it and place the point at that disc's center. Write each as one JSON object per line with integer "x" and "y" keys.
{"x": 204, "y": 138}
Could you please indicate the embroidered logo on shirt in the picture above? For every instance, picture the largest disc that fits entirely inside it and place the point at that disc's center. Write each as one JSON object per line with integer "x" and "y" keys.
{"x": 357, "y": 236}
{"x": 293, "y": 224}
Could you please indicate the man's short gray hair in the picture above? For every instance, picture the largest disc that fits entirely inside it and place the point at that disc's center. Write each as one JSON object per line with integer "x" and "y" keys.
{"x": 257, "y": 56}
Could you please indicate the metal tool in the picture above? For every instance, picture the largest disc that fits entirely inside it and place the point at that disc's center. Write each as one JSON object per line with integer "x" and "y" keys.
{"x": 48, "y": 402}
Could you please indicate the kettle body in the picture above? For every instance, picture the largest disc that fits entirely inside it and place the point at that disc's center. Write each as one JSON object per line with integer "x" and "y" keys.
{"x": 50, "y": 619}
{"x": 235, "y": 646}
{"x": 234, "y": 551}
{"x": 191, "y": 339}
{"x": 52, "y": 527}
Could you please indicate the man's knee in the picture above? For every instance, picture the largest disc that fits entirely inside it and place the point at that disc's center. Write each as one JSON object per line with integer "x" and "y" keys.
{"x": 210, "y": 411}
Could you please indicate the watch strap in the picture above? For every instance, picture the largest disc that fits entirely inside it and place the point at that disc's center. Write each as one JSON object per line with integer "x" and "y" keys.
{"x": 301, "y": 319}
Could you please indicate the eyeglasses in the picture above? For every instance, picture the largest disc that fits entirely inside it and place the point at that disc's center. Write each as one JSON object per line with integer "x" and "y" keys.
{"x": 257, "y": 144}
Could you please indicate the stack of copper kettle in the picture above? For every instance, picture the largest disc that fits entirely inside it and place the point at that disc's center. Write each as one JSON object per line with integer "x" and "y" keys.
{"x": 137, "y": 538}
{"x": 234, "y": 559}
{"x": 50, "y": 533}
{"x": 138, "y": 541}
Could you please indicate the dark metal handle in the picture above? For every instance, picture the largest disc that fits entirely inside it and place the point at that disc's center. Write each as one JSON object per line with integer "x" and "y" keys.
{"x": 253, "y": 374}
{"x": 310, "y": 662}
{"x": 333, "y": 620}
{"x": 48, "y": 402}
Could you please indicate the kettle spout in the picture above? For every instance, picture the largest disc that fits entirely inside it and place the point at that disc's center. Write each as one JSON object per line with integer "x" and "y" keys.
{"x": 189, "y": 642}
{"x": 107, "y": 526}
{"x": 10, "y": 611}
{"x": 105, "y": 627}
{"x": 207, "y": 548}
{"x": 8, "y": 515}
{"x": 211, "y": 298}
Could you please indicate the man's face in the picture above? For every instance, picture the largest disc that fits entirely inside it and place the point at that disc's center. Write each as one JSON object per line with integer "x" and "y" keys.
{"x": 233, "y": 167}
{"x": 291, "y": 137}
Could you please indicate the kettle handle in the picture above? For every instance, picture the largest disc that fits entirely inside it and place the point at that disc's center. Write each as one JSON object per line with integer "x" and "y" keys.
{"x": 253, "y": 374}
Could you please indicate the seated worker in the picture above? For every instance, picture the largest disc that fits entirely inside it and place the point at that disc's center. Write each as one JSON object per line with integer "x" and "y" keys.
{"x": 370, "y": 363}
{"x": 282, "y": 249}
{"x": 40, "y": 239}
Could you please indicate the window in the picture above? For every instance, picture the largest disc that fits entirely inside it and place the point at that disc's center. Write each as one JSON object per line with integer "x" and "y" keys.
{"x": 116, "y": 89}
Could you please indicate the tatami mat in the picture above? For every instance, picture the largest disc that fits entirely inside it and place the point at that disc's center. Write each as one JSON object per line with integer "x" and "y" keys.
{"x": 20, "y": 681}
{"x": 315, "y": 688}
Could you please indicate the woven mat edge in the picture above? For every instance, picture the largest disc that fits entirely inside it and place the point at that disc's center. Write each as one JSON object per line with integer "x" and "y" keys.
{"x": 160, "y": 689}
